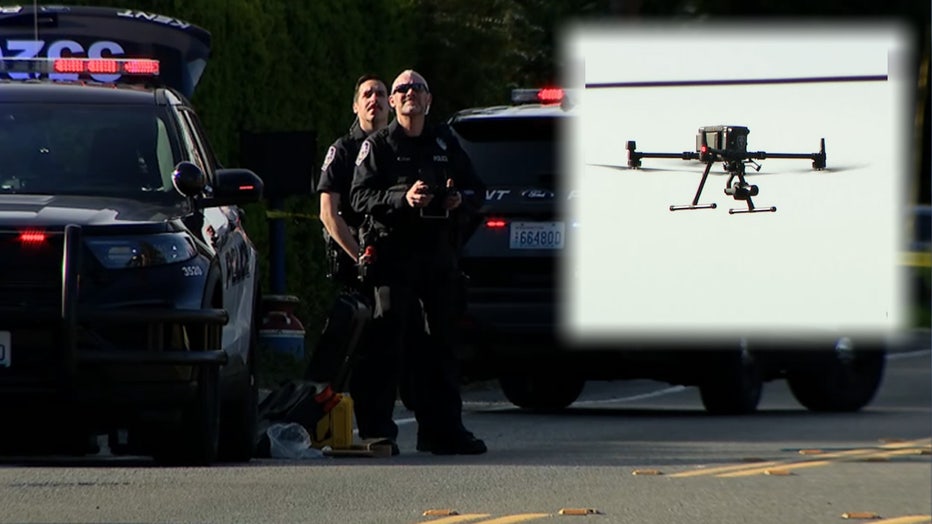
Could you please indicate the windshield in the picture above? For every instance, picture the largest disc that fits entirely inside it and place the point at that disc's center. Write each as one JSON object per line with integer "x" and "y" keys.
{"x": 511, "y": 151}
{"x": 85, "y": 149}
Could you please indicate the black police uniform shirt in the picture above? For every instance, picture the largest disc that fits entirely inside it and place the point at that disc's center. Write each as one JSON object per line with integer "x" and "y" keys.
{"x": 388, "y": 164}
{"x": 336, "y": 176}
{"x": 336, "y": 173}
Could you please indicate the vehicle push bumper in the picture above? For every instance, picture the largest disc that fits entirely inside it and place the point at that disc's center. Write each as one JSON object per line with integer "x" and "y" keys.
{"x": 65, "y": 357}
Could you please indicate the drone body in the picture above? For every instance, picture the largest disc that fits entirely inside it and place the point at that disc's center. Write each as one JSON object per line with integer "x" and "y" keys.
{"x": 726, "y": 144}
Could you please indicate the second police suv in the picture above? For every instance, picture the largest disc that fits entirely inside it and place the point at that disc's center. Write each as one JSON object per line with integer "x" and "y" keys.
{"x": 128, "y": 287}
{"x": 513, "y": 263}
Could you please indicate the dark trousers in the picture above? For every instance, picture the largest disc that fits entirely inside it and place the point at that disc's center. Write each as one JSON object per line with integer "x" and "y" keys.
{"x": 399, "y": 345}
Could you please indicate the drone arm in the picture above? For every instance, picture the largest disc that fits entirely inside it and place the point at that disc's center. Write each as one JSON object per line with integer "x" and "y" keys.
{"x": 818, "y": 159}
{"x": 634, "y": 156}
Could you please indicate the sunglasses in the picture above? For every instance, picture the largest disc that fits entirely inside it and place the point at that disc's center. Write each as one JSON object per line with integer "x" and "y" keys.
{"x": 418, "y": 87}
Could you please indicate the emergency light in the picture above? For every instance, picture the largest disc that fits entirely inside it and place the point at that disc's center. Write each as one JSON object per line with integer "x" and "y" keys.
{"x": 32, "y": 237}
{"x": 83, "y": 67}
{"x": 547, "y": 95}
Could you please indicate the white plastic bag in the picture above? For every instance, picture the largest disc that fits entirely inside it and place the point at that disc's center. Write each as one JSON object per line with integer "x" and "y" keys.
{"x": 291, "y": 441}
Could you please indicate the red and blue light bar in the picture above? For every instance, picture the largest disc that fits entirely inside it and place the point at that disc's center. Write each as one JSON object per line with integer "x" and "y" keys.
{"x": 82, "y": 66}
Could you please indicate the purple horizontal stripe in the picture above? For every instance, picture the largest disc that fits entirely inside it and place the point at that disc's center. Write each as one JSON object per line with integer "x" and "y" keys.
{"x": 746, "y": 81}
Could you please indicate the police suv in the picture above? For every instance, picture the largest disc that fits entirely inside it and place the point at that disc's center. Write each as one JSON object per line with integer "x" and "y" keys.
{"x": 128, "y": 287}
{"x": 513, "y": 264}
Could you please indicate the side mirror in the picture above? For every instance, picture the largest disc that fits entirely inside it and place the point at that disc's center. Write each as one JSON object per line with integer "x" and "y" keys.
{"x": 234, "y": 187}
{"x": 188, "y": 179}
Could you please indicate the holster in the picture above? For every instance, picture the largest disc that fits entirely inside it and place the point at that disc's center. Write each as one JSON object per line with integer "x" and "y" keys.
{"x": 340, "y": 267}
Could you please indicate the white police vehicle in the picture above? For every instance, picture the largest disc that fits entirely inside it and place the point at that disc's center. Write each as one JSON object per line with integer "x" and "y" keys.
{"x": 513, "y": 263}
{"x": 128, "y": 287}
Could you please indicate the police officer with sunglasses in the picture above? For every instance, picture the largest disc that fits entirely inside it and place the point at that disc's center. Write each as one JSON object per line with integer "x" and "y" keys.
{"x": 420, "y": 190}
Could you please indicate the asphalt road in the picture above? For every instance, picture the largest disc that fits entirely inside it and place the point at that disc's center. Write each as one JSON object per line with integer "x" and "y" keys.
{"x": 631, "y": 451}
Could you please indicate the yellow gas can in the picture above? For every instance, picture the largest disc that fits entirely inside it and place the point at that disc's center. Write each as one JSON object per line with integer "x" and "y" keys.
{"x": 335, "y": 429}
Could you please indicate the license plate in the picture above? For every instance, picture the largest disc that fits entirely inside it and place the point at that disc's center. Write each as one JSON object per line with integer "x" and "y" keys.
{"x": 537, "y": 235}
{"x": 5, "y": 349}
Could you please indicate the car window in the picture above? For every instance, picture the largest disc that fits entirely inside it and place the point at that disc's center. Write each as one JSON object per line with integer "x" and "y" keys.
{"x": 84, "y": 149}
{"x": 198, "y": 131}
{"x": 511, "y": 151}
{"x": 193, "y": 144}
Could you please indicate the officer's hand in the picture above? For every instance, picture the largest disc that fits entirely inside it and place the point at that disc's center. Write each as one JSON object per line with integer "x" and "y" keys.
{"x": 454, "y": 198}
{"x": 419, "y": 194}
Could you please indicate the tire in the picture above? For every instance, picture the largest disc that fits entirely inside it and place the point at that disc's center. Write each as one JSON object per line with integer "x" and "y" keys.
{"x": 734, "y": 387}
{"x": 842, "y": 380}
{"x": 196, "y": 441}
{"x": 541, "y": 391}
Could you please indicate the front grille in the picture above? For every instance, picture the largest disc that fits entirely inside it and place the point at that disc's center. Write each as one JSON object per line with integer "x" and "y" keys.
{"x": 30, "y": 275}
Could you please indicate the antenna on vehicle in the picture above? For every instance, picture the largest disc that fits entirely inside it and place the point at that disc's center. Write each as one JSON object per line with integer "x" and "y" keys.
{"x": 35, "y": 19}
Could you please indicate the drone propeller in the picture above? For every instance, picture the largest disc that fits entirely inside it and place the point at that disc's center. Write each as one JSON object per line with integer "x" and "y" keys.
{"x": 647, "y": 169}
{"x": 827, "y": 169}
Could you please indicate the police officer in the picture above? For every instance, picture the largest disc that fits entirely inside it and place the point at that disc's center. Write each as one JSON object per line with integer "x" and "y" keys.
{"x": 370, "y": 104}
{"x": 419, "y": 188}
{"x": 336, "y": 174}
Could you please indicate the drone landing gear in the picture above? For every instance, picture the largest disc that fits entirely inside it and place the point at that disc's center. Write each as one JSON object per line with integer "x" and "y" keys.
{"x": 752, "y": 209}
{"x": 696, "y": 204}
{"x": 692, "y": 206}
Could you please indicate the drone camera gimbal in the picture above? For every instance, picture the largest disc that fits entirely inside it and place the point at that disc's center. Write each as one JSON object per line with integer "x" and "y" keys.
{"x": 726, "y": 144}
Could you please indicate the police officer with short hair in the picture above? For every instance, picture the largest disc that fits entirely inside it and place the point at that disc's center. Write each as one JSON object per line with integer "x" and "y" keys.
{"x": 336, "y": 175}
{"x": 370, "y": 104}
{"x": 419, "y": 188}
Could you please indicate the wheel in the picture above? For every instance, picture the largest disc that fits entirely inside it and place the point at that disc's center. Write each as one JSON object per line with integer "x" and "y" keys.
{"x": 844, "y": 379}
{"x": 197, "y": 438}
{"x": 541, "y": 391}
{"x": 735, "y": 385}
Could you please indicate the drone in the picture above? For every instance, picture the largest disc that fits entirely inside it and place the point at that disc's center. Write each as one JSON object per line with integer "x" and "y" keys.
{"x": 727, "y": 144}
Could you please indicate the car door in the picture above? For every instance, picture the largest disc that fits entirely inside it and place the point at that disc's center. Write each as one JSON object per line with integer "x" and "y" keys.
{"x": 235, "y": 254}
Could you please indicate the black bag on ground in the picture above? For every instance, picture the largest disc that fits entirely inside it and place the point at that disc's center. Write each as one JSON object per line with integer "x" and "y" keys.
{"x": 332, "y": 358}
{"x": 293, "y": 401}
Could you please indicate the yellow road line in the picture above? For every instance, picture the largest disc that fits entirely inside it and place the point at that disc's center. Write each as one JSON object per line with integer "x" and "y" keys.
{"x": 743, "y": 470}
{"x": 761, "y": 467}
{"x": 453, "y": 519}
{"x": 516, "y": 518}
{"x": 909, "y": 519}
{"x": 789, "y": 466}
{"x": 723, "y": 469}
{"x": 910, "y": 448}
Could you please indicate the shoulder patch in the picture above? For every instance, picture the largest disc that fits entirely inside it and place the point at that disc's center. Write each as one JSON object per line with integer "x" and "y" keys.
{"x": 332, "y": 152}
{"x": 441, "y": 143}
{"x": 363, "y": 152}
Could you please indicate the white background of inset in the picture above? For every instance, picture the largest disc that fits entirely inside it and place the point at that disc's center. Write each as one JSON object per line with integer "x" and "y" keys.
{"x": 827, "y": 259}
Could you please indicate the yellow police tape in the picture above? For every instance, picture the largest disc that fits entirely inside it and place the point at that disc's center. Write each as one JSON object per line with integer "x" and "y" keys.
{"x": 285, "y": 214}
{"x": 916, "y": 259}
